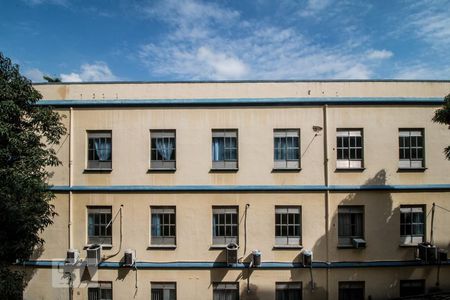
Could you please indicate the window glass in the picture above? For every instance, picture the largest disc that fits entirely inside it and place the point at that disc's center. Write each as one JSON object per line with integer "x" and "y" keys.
{"x": 99, "y": 225}
{"x": 163, "y": 226}
{"x": 225, "y": 225}
{"x": 99, "y": 150}
{"x": 162, "y": 149}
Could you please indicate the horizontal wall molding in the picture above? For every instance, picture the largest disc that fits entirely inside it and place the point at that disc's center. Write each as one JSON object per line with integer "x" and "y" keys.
{"x": 223, "y": 265}
{"x": 230, "y": 102}
{"x": 251, "y": 188}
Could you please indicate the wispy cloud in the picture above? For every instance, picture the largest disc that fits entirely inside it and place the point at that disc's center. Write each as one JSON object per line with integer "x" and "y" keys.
{"x": 429, "y": 21}
{"x": 54, "y": 2}
{"x": 98, "y": 71}
{"x": 422, "y": 71}
{"x": 34, "y": 75}
{"x": 208, "y": 41}
{"x": 379, "y": 54}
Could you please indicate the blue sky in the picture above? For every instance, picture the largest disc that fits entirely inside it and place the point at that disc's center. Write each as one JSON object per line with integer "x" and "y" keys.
{"x": 106, "y": 40}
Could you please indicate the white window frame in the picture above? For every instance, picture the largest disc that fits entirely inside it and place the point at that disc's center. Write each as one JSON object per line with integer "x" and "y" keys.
{"x": 346, "y": 240}
{"x": 286, "y": 163}
{"x": 98, "y": 164}
{"x": 412, "y": 239}
{"x": 163, "y": 240}
{"x": 226, "y": 163}
{"x": 166, "y": 288}
{"x": 98, "y": 287}
{"x": 226, "y": 290}
{"x": 287, "y": 213}
{"x": 227, "y": 212}
{"x": 158, "y": 162}
{"x": 352, "y": 161}
{"x": 100, "y": 239}
{"x": 410, "y": 161}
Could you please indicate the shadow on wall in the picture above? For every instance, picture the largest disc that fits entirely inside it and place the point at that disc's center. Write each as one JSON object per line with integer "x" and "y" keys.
{"x": 381, "y": 232}
{"x": 28, "y": 273}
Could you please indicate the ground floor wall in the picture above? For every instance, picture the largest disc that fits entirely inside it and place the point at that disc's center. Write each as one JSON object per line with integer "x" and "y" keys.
{"x": 379, "y": 283}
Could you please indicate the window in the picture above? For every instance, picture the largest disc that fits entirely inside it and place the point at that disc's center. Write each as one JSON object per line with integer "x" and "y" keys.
{"x": 99, "y": 150}
{"x": 412, "y": 287}
{"x": 286, "y": 148}
{"x": 412, "y": 224}
{"x": 162, "y": 149}
{"x": 100, "y": 291}
{"x": 349, "y": 149}
{"x": 288, "y": 291}
{"x": 225, "y": 225}
{"x": 350, "y": 224}
{"x": 99, "y": 225}
{"x": 163, "y": 225}
{"x": 224, "y": 149}
{"x": 411, "y": 148}
{"x": 351, "y": 290}
{"x": 226, "y": 291}
{"x": 287, "y": 225}
{"x": 164, "y": 291}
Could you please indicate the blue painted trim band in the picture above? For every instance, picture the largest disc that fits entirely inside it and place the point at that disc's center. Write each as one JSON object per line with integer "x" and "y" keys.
{"x": 223, "y": 265}
{"x": 250, "y": 188}
{"x": 242, "y": 102}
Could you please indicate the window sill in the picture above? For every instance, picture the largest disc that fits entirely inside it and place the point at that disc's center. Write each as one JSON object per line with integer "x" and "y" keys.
{"x": 350, "y": 247}
{"x": 344, "y": 170}
{"x": 408, "y": 245}
{"x": 162, "y": 247}
{"x": 286, "y": 170}
{"x": 103, "y": 246}
{"x": 412, "y": 170}
{"x": 162, "y": 170}
{"x": 217, "y": 247}
{"x": 98, "y": 170}
{"x": 224, "y": 170}
{"x": 287, "y": 247}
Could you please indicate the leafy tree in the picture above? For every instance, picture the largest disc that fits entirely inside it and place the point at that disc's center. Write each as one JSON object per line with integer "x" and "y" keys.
{"x": 442, "y": 116}
{"x": 27, "y": 134}
{"x": 51, "y": 79}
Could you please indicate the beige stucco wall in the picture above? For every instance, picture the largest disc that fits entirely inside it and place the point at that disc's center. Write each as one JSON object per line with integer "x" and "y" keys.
{"x": 380, "y": 283}
{"x": 194, "y": 219}
{"x": 243, "y": 90}
{"x": 131, "y": 138}
{"x": 131, "y": 145}
{"x": 382, "y": 224}
{"x": 380, "y": 135}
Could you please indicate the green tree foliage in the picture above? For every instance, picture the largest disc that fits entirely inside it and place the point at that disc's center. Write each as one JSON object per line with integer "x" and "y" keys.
{"x": 28, "y": 133}
{"x": 442, "y": 116}
{"x": 51, "y": 79}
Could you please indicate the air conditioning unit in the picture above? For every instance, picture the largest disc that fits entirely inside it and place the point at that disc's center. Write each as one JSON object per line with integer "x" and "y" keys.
{"x": 358, "y": 243}
{"x": 129, "y": 258}
{"x": 232, "y": 253}
{"x": 307, "y": 257}
{"x": 256, "y": 258}
{"x": 427, "y": 252}
{"x": 72, "y": 257}
{"x": 93, "y": 254}
{"x": 442, "y": 255}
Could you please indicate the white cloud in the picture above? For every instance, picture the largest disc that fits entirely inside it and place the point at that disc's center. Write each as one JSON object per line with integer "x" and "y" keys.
{"x": 98, "y": 71}
{"x": 314, "y": 6}
{"x": 422, "y": 71}
{"x": 379, "y": 54}
{"x": 430, "y": 22}
{"x": 39, "y": 2}
{"x": 220, "y": 45}
{"x": 35, "y": 75}
{"x": 221, "y": 65}
{"x": 72, "y": 77}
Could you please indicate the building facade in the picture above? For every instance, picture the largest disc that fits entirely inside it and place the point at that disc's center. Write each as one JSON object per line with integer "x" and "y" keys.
{"x": 331, "y": 184}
